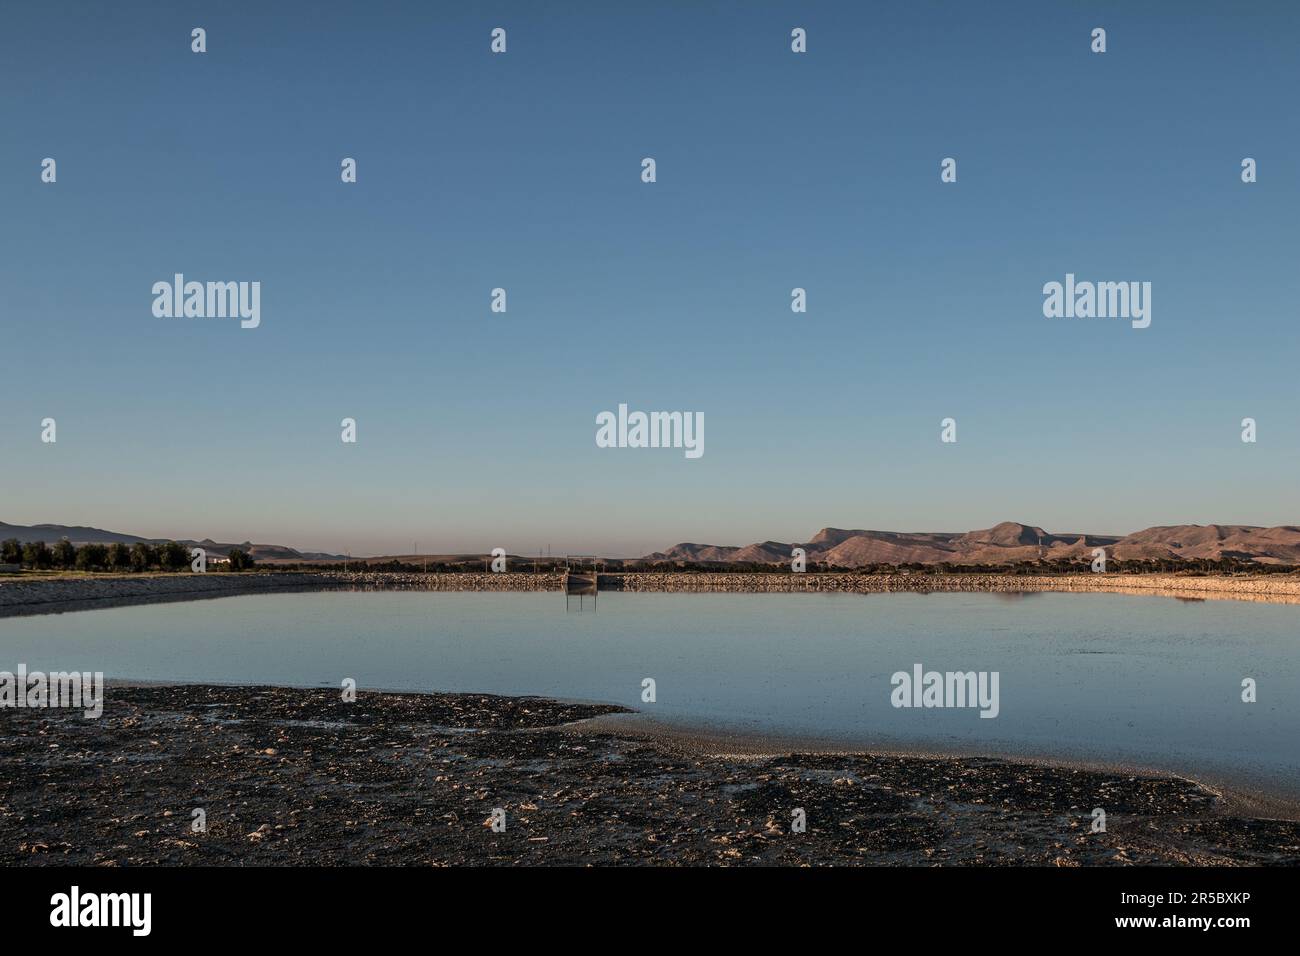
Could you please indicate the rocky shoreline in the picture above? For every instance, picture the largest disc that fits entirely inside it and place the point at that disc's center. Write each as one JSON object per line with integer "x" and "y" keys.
{"x": 1280, "y": 588}
{"x": 53, "y": 595}
{"x": 297, "y": 777}
{"x": 32, "y": 594}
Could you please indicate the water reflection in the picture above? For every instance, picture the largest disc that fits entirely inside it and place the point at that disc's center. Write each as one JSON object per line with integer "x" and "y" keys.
{"x": 1013, "y": 597}
{"x": 580, "y": 590}
{"x": 1122, "y": 677}
{"x": 580, "y": 601}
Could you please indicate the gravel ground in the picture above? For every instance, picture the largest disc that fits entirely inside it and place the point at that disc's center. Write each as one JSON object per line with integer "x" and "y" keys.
{"x": 291, "y": 776}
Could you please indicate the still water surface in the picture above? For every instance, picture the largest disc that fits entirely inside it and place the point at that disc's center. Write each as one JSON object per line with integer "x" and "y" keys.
{"x": 1148, "y": 680}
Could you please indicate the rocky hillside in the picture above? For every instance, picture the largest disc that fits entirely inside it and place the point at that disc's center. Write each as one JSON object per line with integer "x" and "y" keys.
{"x": 1010, "y": 542}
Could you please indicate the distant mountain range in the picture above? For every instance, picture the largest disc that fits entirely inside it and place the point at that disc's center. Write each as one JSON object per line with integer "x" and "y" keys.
{"x": 51, "y": 533}
{"x": 1006, "y": 543}
{"x": 1010, "y": 542}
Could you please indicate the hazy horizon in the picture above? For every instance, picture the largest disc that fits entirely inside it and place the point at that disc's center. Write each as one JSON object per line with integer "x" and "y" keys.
{"x": 775, "y": 171}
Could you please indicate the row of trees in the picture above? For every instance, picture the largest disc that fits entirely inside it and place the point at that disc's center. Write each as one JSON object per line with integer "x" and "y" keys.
{"x": 64, "y": 555}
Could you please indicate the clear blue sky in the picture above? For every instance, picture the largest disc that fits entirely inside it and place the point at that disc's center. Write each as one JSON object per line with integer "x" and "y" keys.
{"x": 522, "y": 170}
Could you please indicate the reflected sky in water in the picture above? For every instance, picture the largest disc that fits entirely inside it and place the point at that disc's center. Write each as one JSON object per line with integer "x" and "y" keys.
{"x": 1152, "y": 680}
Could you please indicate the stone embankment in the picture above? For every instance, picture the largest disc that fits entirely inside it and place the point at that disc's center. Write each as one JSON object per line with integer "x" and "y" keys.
{"x": 39, "y": 594}
{"x": 1283, "y": 588}
{"x": 33, "y": 594}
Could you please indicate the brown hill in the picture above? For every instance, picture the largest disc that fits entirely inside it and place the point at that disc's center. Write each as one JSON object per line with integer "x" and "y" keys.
{"x": 886, "y": 547}
{"x": 1011, "y": 542}
{"x": 768, "y": 552}
{"x": 1280, "y": 545}
{"x": 1008, "y": 534}
{"x": 689, "y": 551}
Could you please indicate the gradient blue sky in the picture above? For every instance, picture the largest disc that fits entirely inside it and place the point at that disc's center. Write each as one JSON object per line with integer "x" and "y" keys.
{"x": 775, "y": 170}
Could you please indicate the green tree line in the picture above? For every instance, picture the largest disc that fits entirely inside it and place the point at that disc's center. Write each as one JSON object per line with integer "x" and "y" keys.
{"x": 139, "y": 557}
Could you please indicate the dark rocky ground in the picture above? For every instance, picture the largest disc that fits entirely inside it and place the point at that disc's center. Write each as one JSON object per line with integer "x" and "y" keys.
{"x": 298, "y": 777}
